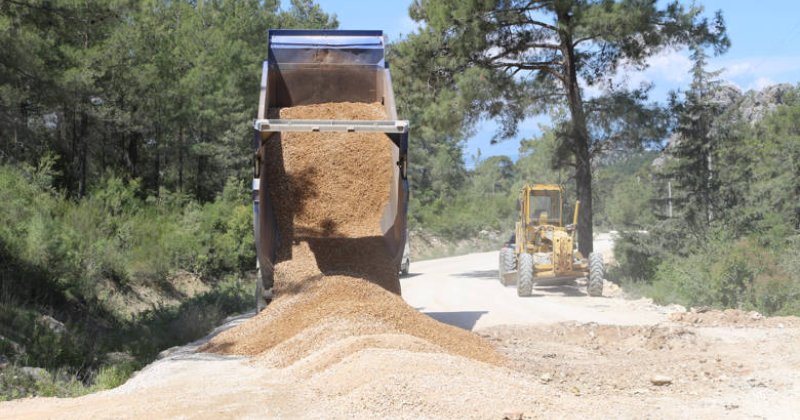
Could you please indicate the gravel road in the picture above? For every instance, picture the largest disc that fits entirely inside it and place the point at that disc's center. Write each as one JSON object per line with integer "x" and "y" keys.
{"x": 465, "y": 291}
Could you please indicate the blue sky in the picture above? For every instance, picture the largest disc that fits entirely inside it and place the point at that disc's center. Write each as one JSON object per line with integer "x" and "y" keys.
{"x": 765, "y": 49}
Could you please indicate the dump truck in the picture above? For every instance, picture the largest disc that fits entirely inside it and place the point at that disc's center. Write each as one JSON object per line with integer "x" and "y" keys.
{"x": 543, "y": 249}
{"x": 307, "y": 67}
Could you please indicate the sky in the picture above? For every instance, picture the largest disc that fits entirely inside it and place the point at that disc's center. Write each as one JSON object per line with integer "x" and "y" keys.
{"x": 765, "y": 49}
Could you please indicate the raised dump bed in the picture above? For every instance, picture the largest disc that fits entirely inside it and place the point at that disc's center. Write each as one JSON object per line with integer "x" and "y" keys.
{"x": 319, "y": 73}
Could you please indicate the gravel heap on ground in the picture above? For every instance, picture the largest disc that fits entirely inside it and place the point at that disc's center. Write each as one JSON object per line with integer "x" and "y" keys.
{"x": 704, "y": 317}
{"x": 336, "y": 286}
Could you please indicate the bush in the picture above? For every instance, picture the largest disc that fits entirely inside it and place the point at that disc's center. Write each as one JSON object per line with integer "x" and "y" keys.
{"x": 637, "y": 258}
{"x": 56, "y": 252}
{"x": 729, "y": 273}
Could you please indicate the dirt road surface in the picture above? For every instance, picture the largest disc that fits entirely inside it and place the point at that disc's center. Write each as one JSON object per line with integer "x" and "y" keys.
{"x": 569, "y": 356}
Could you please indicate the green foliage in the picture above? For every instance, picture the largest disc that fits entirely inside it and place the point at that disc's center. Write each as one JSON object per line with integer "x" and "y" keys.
{"x": 509, "y": 60}
{"x": 762, "y": 190}
{"x": 162, "y": 91}
{"x": 112, "y": 376}
{"x": 731, "y": 273}
{"x": 127, "y": 124}
{"x": 18, "y": 382}
{"x": 732, "y": 242}
{"x": 486, "y": 200}
{"x": 56, "y": 254}
{"x": 625, "y": 192}
{"x": 694, "y": 147}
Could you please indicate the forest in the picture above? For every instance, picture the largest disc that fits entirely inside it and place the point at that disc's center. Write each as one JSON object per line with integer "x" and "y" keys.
{"x": 126, "y": 158}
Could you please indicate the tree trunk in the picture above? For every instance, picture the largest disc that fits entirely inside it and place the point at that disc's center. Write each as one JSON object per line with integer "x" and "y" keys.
{"x": 180, "y": 159}
{"x": 133, "y": 154}
{"x": 84, "y": 152}
{"x": 579, "y": 135}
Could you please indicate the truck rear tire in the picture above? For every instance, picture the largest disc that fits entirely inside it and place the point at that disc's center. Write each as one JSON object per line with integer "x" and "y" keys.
{"x": 507, "y": 264}
{"x": 525, "y": 275}
{"x": 596, "y": 272}
{"x": 263, "y": 291}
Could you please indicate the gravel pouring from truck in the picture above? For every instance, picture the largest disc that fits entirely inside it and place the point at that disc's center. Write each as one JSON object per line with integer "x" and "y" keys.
{"x": 309, "y": 67}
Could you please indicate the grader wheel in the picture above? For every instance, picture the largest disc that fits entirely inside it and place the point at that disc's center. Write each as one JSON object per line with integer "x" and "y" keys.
{"x": 525, "y": 271}
{"x": 507, "y": 263}
{"x": 596, "y": 272}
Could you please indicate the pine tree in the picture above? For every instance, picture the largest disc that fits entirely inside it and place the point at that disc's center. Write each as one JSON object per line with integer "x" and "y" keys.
{"x": 510, "y": 59}
{"x": 695, "y": 145}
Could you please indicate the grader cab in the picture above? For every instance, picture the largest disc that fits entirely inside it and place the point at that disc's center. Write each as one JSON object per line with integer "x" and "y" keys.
{"x": 543, "y": 250}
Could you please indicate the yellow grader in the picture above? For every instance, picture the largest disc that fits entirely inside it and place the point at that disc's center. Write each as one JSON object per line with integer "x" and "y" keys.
{"x": 543, "y": 249}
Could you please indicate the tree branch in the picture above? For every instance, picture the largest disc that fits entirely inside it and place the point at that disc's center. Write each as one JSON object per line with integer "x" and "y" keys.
{"x": 545, "y": 66}
{"x": 542, "y": 24}
{"x": 586, "y": 38}
{"x": 508, "y": 52}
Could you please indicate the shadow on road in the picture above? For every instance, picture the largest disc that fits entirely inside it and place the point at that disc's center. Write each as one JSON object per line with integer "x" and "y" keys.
{"x": 481, "y": 274}
{"x": 461, "y": 319}
{"x": 566, "y": 290}
{"x": 192, "y": 351}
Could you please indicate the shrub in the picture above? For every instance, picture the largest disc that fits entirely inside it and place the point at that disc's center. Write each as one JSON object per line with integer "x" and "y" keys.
{"x": 728, "y": 273}
{"x": 55, "y": 251}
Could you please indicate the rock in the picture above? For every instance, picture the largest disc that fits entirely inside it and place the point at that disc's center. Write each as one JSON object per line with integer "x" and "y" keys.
{"x": 611, "y": 289}
{"x": 16, "y": 347}
{"x": 661, "y": 380}
{"x": 117, "y": 357}
{"x": 675, "y": 308}
{"x": 53, "y": 324}
{"x": 3, "y": 361}
{"x": 36, "y": 373}
{"x": 755, "y": 105}
{"x": 513, "y": 415}
{"x": 755, "y": 316}
{"x": 545, "y": 378}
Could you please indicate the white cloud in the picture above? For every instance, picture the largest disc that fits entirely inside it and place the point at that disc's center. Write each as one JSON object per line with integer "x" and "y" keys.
{"x": 666, "y": 70}
{"x": 759, "y": 72}
{"x": 672, "y": 66}
{"x": 670, "y": 70}
{"x": 762, "y": 82}
{"x": 738, "y": 69}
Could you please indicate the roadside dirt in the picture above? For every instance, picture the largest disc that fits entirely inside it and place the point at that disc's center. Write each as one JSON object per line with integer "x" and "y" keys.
{"x": 128, "y": 301}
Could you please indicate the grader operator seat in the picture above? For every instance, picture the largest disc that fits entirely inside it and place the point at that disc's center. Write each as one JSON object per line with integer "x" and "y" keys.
{"x": 543, "y": 218}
